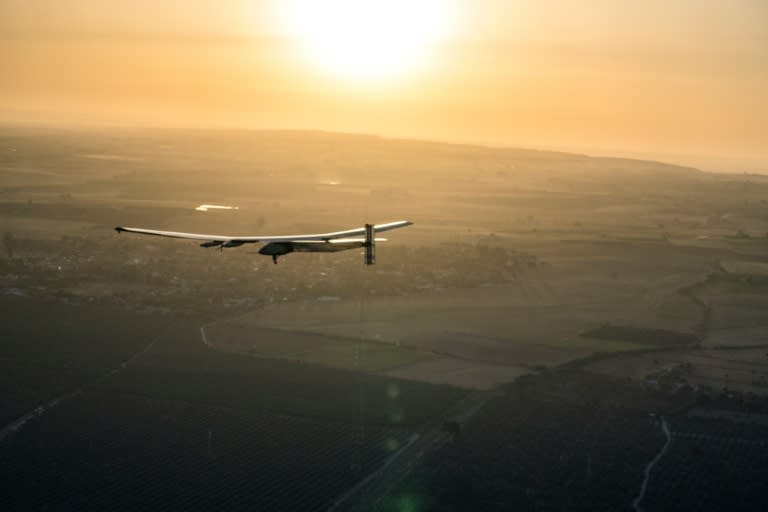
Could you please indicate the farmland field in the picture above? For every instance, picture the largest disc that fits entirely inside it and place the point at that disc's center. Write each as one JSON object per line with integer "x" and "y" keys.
{"x": 579, "y": 442}
{"x": 309, "y": 348}
{"x": 743, "y": 370}
{"x": 711, "y": 465}
{"x": 210, "y": 422}
{"x": 95, "y": 450}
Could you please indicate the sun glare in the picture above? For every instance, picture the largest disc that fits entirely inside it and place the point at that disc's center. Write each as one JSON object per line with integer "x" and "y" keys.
{"x": 366, "y": 40}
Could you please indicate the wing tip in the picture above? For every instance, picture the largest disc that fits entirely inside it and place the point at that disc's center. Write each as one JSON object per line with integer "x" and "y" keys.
{"x": 119, "y": 229}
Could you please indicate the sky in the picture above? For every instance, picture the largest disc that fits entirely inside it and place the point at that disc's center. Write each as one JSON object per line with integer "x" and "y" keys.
{"x": 678, "y": 80}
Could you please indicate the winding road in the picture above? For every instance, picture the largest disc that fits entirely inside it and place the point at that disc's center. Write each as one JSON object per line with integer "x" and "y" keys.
{"x": 649, "y": 466}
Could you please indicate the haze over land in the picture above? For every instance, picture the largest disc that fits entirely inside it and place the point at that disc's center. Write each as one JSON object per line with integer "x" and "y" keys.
{"x": 680, "y": 81}
{"x": 543, "y": 304}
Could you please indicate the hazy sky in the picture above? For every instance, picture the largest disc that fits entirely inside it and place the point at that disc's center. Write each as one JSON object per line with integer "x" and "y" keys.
{"x": 686, "y": 79}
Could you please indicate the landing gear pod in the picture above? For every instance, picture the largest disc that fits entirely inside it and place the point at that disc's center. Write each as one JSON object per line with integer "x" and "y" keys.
{"x": 276, "y": 249}
{"x": 370, "y": 245}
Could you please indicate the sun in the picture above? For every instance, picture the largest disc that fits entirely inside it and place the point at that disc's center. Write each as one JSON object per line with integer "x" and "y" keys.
{"x": 366, "y": 40}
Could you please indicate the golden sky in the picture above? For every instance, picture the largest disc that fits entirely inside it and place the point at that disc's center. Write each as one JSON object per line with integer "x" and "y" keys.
{"x": 682, "y": 80}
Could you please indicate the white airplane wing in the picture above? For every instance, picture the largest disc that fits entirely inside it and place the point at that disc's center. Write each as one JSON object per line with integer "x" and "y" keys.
{"x": 232, "y": 240}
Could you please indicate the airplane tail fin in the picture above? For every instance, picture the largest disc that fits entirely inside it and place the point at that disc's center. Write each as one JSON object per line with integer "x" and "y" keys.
{"x": 370, "y": 244}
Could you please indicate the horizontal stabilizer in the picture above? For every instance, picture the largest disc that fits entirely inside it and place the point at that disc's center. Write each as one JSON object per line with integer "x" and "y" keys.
{"x": 353, "y": 240}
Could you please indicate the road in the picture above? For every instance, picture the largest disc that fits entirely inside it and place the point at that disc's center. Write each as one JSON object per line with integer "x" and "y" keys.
{"x": 18, "y": 423}
{"x": 365, "y": 495}
{"x": 649, "y": 466}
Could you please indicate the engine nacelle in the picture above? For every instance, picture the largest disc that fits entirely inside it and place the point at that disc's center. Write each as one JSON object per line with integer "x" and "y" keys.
{"x": 232, "y": 243}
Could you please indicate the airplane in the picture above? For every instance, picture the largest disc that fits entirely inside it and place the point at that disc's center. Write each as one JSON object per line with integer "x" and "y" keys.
{"x": 281, "y": 245}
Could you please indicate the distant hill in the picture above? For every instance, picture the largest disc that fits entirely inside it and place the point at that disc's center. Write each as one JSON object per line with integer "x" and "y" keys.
{"x": 300, "y": 149}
